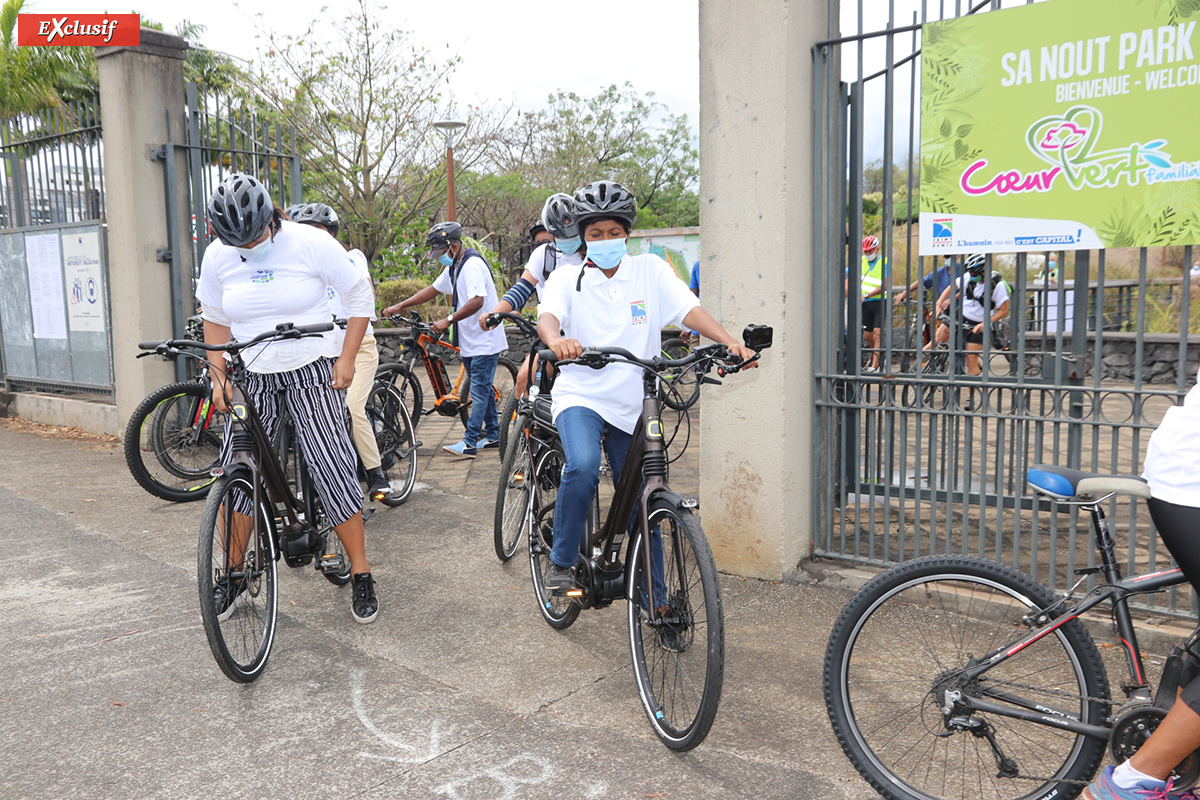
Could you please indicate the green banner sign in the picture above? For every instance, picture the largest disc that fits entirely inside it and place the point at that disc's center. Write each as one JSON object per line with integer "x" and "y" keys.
{"x": 1067, "y": 124}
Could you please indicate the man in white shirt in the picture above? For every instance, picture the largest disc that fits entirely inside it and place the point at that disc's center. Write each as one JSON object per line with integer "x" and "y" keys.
{"x": 972, "y": 287}
{"x": 468, "y": 279}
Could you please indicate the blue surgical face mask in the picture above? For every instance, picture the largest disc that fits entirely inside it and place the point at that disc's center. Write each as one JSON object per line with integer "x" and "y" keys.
{"x": 607, "y": 253}
{"x": 257, "y": 253}
{"x": 445, "y": 260}
{"x": 567, "y": 246}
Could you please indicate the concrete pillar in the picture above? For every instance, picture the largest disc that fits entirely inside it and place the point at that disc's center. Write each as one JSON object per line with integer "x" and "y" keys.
{"x": 756, "y": 203}
{"x": 138, "y": 87}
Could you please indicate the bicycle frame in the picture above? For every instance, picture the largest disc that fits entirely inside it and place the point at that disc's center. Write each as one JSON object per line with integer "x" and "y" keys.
{"x": 1118, "y": 590}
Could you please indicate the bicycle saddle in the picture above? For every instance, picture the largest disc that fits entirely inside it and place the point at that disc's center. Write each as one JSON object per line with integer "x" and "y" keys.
{"x": 1061, "y": 483}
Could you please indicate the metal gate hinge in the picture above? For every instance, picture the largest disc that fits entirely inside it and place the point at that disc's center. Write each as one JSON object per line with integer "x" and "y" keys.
{"x": 159, "y": 153}
{"x": 162, "y": 254}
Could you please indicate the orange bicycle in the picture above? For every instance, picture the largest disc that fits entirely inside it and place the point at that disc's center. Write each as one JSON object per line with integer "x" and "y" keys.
{"x": 449, "y": 400}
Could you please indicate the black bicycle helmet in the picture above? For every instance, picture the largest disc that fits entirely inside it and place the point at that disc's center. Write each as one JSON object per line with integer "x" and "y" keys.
{"x": 558, "y": 215}
{"x": 317, "y": 214}
{"x": 240, "y": 210}
{"x": 442, "y": 234}
{"x": 604, "y": 200}
{"x": 975, "y": 264}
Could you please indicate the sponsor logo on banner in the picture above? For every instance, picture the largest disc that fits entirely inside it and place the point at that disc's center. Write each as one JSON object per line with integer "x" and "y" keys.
{"x": 79, "y": 30}
{"x": 943, "y": 231}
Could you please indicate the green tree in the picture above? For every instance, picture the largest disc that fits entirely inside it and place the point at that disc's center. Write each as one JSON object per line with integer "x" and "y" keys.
{"x": 37, "y": 78}
{"x": 362, "y": 98}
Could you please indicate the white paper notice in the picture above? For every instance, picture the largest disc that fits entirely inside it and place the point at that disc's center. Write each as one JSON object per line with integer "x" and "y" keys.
{"x": 45, "y": 285}
{"x": 85, "y": 281}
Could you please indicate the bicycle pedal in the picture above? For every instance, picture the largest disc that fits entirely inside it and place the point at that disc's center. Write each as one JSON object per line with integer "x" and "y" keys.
{"x": 367, "y": 512}
{"x": 573, "y": 593}
{"x": 332, "y": 563}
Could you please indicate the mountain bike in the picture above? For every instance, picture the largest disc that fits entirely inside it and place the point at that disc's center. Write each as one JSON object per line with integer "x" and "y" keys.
{"x": 173, "y": 440}
{"x": 449, "y": 400}
{"x": 258, "y": 511}
{"x": 935, "y": 363}
{"x": 665, "y": 573}
{"x": 955, "y": 676}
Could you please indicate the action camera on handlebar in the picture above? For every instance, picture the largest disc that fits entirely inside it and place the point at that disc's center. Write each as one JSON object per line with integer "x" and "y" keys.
{"x": 757, "y": 337}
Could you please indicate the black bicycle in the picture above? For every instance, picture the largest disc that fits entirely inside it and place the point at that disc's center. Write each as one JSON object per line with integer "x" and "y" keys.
{"x": 258, "y": 511}
{"x": 959, "y": 677}
{"x": 665, "y": 573}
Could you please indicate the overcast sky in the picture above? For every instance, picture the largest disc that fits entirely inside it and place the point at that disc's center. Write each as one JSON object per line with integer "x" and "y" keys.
{"x": 520, "y": 51}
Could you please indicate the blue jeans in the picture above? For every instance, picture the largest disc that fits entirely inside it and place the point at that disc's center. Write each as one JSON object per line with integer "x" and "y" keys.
{"x": 482, "y": 370}
{"x": 580, "y": 430}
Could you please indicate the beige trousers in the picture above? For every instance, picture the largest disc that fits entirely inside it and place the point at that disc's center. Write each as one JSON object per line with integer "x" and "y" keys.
{"x": 365, "y": 364}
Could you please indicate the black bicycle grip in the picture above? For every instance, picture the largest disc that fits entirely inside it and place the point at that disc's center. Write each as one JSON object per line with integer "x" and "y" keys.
{"x": 547, "y": 355}
{"x": 150, "y": 345}
{"x": 316, "y": 327}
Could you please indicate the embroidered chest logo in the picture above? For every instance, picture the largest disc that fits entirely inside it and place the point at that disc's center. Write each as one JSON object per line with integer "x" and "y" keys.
{"x": 638, "y": 309}
{"x": 263, "y": 276}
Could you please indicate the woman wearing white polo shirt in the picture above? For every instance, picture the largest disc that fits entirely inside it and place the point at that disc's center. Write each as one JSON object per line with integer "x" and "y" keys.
{"x": 264, "y": 271}
{"x": 613, "y": 300}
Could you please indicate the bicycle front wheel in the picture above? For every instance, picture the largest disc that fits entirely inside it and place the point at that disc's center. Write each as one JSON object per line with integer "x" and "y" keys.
{"x": 173, "y": 440}
{"x": 406, "y": 382}
{"x": 239, "y": 591}
{"x": 508, "y": 418}
{"x": 396, "y": 441}
{"x": 559, "y": 612}
{"x": 514, "y": 493}
{"x": 904, "y": 642}
{"x": 679, "y": 657}
{"x": 681, "y": 385}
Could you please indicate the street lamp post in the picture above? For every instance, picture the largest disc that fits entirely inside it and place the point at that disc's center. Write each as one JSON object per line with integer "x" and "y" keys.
{"x": 448, "y": 127}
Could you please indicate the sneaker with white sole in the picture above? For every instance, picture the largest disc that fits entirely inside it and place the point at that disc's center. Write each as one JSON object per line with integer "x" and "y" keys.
{"x": 364, "y": 606}
{"x": 460, "y": 449}
{"x": 490, "y": 444}
{"x": 228, "y": 596}
{"x": 1103, "y": 788}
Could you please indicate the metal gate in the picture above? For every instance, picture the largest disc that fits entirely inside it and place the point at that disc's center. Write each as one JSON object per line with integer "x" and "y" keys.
{"x": 922, "y": 457}
{"x": 54, "y": 307}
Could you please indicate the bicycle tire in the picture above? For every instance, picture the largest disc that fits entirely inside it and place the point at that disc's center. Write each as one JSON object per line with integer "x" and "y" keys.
{"x": 167, "y": 454}
{"x": 558, "y": 612}
{"x": 240, "y": 643}
{"x": 395, "y": 437}
{"x": 685, "y": 653}
{"x": 896, "y": 648}
{"x": 508, "y": 416}
{"x": 503, "y": 384}
{"x": 514, "y": 493}
{"x": 409, "y": 386}
{"x": 684, "y": 380}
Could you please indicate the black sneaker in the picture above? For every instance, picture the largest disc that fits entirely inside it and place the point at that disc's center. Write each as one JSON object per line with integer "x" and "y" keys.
{"x": 228, "y": 596}
{"x": 377, "y": 484}
{"x": 559, "y": 580}
{"x": 364, "y": 606}
{"x": 672, "y": 639}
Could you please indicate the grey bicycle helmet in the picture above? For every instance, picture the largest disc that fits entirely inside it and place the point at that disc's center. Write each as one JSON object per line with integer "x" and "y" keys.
{"x": 604, "y": 200}
{"x": 240, "y": 210}
{"x": 975, "y": 263}
{"x": 293, "y": 210}
{"x": 558, "y": 215}
{"x": 442, "y": 234}
{"x": 317, "y": 214}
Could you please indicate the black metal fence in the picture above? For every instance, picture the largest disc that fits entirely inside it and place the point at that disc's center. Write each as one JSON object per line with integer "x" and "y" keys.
{"x": 914, "y": 453}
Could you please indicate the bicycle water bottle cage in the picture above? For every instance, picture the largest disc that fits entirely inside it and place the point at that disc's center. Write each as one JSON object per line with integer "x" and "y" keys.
{"x": 299, "y": 545}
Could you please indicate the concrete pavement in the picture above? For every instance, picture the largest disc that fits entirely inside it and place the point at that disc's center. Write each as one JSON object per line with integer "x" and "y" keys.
{"x": 459, "y": 689}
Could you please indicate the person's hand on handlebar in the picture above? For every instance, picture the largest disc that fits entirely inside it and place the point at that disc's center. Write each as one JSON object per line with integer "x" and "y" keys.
{"x": 744, "y": 353}
{"x": 565, "y": 349}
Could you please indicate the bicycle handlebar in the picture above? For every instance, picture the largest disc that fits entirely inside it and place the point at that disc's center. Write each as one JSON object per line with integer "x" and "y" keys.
{"x": 597, "y": 357}
{"x": 496, "y": 318}
{"x": 284, "y": 330}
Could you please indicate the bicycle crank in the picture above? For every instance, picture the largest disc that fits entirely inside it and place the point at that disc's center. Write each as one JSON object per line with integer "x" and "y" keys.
{"x": 1132, "y": 725}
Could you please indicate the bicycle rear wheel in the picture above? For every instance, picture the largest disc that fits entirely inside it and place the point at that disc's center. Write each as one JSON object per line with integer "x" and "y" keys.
{"x": 236, "y": 571}
{"x": 173, "y": 440}
{"x": 508, "y": 416}
{"x": 514, "y": 493}
{"x": 395, "y": 439}
{"x": 559, "y": 612}
{"x": 904, "y": 641}
{"x": 679, "y": 659}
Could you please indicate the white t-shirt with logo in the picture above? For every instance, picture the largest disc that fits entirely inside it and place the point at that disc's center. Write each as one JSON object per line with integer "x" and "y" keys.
{"x": 547, "y": 257}
{"x": 628, "y": 310}
{"x": 1173, "y": 455}
{"x": 290, "y": 285}
{"x": 972, "y": 307}
{"x": 474, "y": 280}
